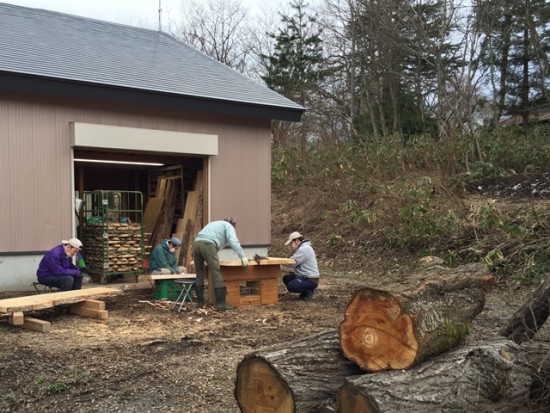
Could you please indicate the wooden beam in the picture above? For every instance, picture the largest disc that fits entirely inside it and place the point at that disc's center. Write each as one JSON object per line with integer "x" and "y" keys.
{"x": 90, "y": 308}
{"x": 17, "y": 319}
{"x": 37, "y": 325}
{"x": 89, "y": 312}
{"x": 91, "y": 304}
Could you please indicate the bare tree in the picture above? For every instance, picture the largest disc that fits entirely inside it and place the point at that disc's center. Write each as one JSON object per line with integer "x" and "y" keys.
{"x": 217, "y": 28}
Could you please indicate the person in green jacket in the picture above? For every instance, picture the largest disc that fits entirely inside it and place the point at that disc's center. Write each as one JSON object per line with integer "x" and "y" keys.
{"x": 163, "y": 258}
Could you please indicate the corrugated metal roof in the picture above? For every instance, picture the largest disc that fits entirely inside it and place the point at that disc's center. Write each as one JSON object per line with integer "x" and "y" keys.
{"x": 50, "y": 44}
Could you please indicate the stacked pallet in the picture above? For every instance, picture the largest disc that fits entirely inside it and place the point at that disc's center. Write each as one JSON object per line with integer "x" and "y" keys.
{"x": 113, "y": 247}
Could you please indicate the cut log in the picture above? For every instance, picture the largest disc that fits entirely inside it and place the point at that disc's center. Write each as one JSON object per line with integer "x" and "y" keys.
{"x": 300, "y": 376}
{"x": 531, "y": 316}
{"x": 382, "y": 330}
{"x": 485, "y": 377}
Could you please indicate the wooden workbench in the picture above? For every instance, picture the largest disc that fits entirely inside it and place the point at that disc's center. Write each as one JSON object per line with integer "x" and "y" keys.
{"x": 83, "y": 302}
{"x": 257, "y": 284}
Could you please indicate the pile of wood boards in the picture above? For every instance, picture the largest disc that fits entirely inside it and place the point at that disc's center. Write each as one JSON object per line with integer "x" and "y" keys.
{"x": 159, "y": 216}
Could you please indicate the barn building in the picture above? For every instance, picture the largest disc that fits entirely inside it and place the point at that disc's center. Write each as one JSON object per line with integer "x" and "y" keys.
{"x": 90, "y": 107}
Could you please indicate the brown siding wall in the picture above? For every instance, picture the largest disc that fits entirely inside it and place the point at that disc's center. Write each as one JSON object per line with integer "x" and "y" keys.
{"x": 241, "y": 183}
{"x": 35, "y": 166}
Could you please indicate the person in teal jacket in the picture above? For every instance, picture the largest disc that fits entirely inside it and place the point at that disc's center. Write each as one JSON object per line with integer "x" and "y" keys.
{"x": 163, "y": 258}
{"x": 212, "y": 238}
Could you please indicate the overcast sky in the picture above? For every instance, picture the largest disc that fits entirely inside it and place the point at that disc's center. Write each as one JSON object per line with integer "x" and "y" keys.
{"x": 131, "y": 12}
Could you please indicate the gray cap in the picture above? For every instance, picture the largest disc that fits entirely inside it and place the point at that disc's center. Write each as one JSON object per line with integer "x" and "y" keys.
{"x": 176, "y": 241}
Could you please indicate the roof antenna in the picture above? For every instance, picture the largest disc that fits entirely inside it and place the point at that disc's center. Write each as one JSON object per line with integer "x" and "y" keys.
{"x": 160, "y": 11}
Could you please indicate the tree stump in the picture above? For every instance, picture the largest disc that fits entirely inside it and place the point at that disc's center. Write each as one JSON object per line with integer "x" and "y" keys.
{"x": 383, "y": 331}
{"x": 484, "y": 377}
{"x": 531, "y": 316}
{"x": 301, "y": 376}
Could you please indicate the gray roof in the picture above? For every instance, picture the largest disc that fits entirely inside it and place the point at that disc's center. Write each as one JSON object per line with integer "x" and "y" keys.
{"x": 42, "y": 43}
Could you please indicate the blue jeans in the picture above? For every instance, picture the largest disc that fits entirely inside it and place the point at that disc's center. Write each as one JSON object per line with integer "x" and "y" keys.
{"x": 63, "y": 282}
{"x": 298, "y": 283}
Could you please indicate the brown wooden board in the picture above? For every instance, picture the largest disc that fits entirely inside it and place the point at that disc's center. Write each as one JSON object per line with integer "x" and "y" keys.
{"x": 151, "y": 213}
{"x": 189, "y": 217}
{"x": 267, "y": 261}
{"x": 48, "y": 300}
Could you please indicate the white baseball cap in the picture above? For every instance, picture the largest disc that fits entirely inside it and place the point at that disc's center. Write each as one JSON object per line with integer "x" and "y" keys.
{"x": 293, "y": 236}
{"x": 73, "y": 242}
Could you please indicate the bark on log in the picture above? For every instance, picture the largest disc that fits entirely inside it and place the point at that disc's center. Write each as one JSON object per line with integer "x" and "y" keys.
{"x": 485, "y": 377}
{"x": 301, "y": 376}
{"x": 537, "y": 354}
{"x": 383, "y": 331}
{"x": 525, "y": 323}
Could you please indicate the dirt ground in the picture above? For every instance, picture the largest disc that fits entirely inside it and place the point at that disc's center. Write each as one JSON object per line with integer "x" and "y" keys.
{"x": 147, "y": 358}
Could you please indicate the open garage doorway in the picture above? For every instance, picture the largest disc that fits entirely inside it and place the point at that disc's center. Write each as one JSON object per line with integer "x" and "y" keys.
{"x": 129, "y": 202}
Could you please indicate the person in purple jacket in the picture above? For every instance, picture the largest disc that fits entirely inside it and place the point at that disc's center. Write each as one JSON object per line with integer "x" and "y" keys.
{"x": 57, "y": 268}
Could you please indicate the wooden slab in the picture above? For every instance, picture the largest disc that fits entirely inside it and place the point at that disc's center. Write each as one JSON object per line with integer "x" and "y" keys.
{"x": 155, "y": 277}
{"x": 151, "y": 213}
{"x": 48, "y": 300}
{"x": 267, "y": 261}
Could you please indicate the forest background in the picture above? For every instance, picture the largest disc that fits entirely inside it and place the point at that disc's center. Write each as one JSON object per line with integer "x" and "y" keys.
{"x": 411, "y": 106}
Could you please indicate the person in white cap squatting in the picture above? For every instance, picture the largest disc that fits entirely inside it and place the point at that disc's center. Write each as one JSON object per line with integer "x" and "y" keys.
{"x": 304, "y": 275}
{"x": 57, "y": 268}
{"x": 163, "y": 258}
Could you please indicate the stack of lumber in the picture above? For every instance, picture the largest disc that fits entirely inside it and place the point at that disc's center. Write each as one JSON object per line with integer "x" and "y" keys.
{"x": 113, "y": 247}
{"x": 159, "y": 217}
{"x": 159, "y": 211}
{"x": 82, "y": 302}
{"x": 189, "y": 227}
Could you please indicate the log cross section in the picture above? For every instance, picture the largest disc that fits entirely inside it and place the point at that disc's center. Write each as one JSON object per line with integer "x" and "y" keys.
{"x": 299, "y": 376}
{"x": 383, "y": 330}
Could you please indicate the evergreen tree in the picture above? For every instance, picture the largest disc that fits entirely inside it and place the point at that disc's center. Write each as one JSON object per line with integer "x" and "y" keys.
{"x": 295, "y": 68}
{"x": 515, "y": 51}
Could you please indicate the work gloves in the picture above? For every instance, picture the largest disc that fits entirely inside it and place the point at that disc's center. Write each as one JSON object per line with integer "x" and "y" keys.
{"x": 244, "y": 261}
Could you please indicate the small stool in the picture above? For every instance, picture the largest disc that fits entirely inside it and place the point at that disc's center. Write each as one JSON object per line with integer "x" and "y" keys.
{"x": 186, "y": 293}
{"x": 43, "y": 288}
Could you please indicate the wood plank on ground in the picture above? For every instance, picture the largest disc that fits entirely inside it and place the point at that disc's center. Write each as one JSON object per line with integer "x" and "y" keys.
{"x": 37, "y": 325}
{"x": 48, "y": 300}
